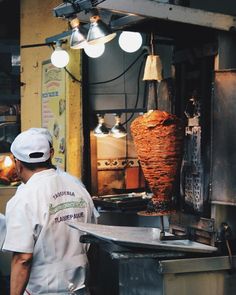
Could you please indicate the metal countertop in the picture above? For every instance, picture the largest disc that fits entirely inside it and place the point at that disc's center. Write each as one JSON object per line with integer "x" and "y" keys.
{"x": 145, "y": 237}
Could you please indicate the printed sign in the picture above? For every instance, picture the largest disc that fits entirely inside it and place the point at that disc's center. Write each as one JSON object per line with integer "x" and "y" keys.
{"x": 54, "y": 109}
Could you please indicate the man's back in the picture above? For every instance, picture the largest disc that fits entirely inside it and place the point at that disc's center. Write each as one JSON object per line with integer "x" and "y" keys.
{"x": 41, "y": 209}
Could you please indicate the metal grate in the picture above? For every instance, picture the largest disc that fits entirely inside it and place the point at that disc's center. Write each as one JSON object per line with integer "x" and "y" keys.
{"x": 193, "y": 174}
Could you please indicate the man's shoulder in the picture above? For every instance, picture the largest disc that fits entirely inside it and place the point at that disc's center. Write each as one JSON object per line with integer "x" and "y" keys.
{"x": 70, "y": 177}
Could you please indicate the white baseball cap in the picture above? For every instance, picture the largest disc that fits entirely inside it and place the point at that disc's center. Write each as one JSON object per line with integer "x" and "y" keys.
{"x": 43, "y": 131}
{"x": 31, "y": 147}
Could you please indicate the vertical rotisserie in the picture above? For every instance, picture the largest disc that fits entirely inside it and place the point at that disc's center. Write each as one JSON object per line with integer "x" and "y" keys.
{"x": 158, "y": 138}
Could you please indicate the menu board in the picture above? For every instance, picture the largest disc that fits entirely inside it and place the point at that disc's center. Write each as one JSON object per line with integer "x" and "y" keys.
{"x": 54, "y": 109}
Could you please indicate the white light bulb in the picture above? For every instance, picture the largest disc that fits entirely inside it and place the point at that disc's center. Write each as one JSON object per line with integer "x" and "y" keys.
{"x": 130, "y": 41}
{"x": 60, "y": 58}
{"x": 7, "y": 162}
{"x": 94, "y": 51}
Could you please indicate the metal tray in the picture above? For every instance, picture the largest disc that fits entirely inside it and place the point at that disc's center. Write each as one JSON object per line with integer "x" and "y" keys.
{"x": 145, "y": 237}
{"x": 122, "y": 201}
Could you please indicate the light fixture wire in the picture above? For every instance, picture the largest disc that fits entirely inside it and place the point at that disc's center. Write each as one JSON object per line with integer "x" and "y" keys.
{"x": 115, "y": 78}
{"x": 125, "y": 71}
{"x": 74, "y": 78}
{"x": 138, "y": 92}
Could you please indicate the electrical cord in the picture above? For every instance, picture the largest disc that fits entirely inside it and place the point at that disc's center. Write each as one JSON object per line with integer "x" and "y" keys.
{"x": 67, "y": 71}
{"x": 138, "y": 90}
{"x": 117, "y": 77}
{"x": 111, "y": 80}
{"x": 107, "y": 81}
{"x": 120, "y": 75}
{"x": 72, "y": 76}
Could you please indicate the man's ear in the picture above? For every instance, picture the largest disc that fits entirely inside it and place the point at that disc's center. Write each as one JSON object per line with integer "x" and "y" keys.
{"x": 52, "y": 152}
{"x": 19, "y": 167}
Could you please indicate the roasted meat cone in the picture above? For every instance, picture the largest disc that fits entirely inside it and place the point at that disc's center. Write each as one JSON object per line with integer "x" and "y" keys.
{"x": 158, "y": 139}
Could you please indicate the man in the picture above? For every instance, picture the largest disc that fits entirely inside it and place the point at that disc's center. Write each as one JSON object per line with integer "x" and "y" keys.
{"x": 47, "y": 255}
{"x": 45, "y": 131}
{"x": 47, "y": 134}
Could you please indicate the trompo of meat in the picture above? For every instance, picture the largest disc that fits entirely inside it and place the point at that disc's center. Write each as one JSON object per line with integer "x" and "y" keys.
{"x": 158, "y": 139}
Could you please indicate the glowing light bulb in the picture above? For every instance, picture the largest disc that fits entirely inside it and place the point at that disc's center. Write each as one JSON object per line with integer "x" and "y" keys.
{"x": 94, "y": 51}
{"x": 130, "y": 41}
{"x": 60, "y": 58}
{"x": 7, "y": 162}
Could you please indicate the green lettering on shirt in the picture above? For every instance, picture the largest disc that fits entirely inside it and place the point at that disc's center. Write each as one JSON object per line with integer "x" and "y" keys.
{"x": 74, "y": 204}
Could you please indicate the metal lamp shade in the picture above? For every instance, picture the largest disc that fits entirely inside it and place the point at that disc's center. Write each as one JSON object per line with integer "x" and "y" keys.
{"x": 99, "y": 32}
{"x": 78, "y": 39}
{"x": 118, "y": 130}
{"x": 101, "y": 130}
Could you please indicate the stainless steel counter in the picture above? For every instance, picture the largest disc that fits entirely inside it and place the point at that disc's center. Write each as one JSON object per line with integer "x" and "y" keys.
{"x": 124, "y": 271}
{"x": 141, "y": 237}
{"x": 159, "y": 270}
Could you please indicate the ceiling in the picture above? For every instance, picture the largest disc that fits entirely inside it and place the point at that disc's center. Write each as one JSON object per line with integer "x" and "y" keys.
{"x": 178, "y": 23}
{"x": 128, "y": 13}
{"x": 139, "y": 15}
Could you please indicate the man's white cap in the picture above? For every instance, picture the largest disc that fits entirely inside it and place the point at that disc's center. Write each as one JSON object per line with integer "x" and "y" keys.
{"x": 43, "y": 131}
{"x": 31, "y": 147}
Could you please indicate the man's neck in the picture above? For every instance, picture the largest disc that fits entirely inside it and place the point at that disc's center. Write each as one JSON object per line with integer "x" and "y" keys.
{"x": 27, "y": 174}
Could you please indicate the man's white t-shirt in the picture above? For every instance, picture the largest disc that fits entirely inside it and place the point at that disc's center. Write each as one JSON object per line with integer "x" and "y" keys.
{"x": 36, "y": 219}
{"x": 79, "y": 182}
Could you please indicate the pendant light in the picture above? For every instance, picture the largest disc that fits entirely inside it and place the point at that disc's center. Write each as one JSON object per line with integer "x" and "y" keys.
{"x": 94, "y": 51}
{"x": 78, "y": 36}
{"x": 118, "y": 129}
{"x": 130, "y": 41}
{"x": 59, "y": 58}
{"x": 101, "y": 130}
{"x": 153, "y": 66}
{"x": 99, "y": 32}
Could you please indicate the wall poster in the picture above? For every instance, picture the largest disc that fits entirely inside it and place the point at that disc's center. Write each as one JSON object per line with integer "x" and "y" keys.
{"x": 54, "y": 109}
